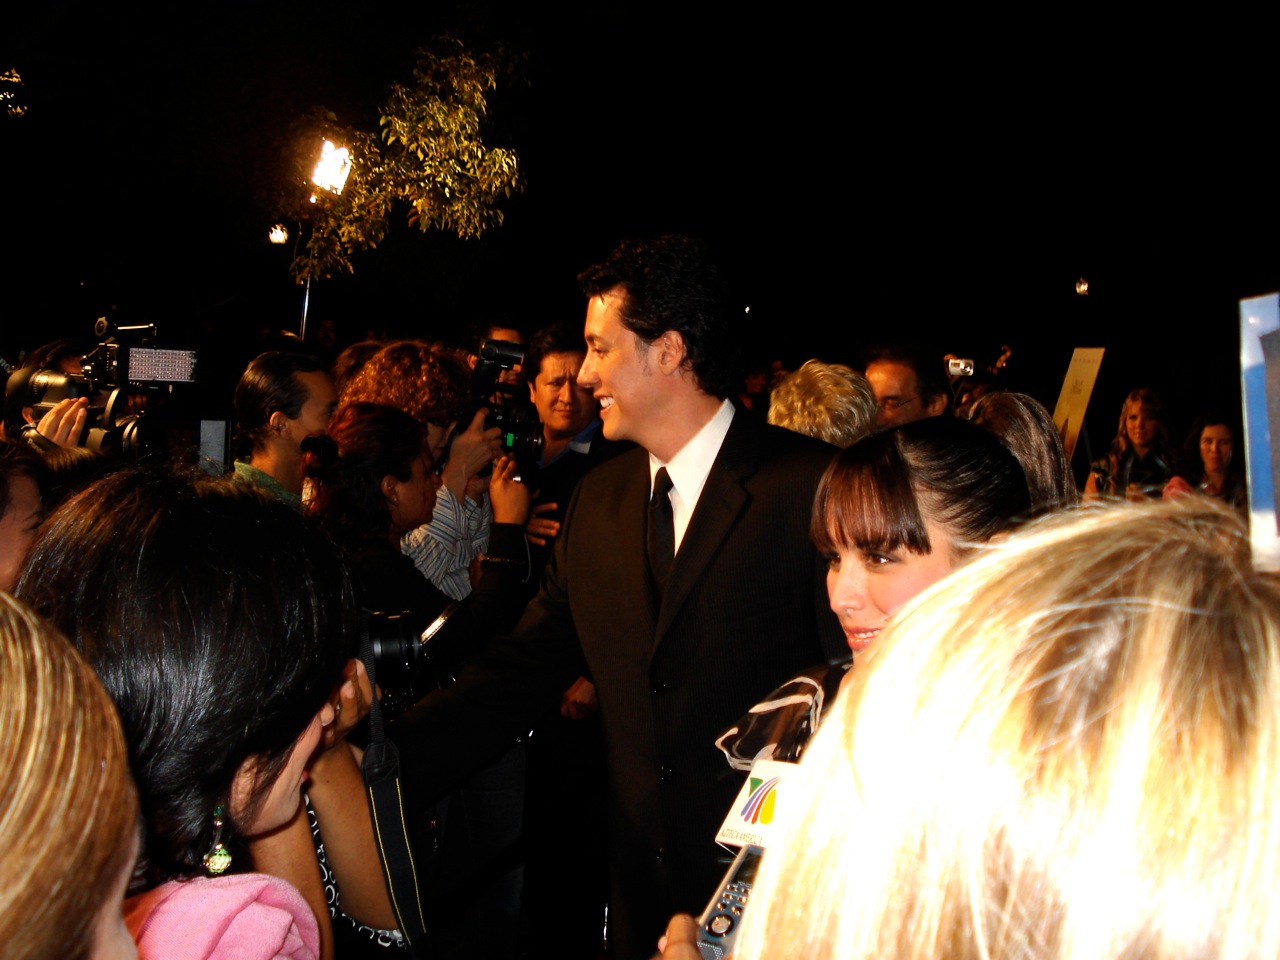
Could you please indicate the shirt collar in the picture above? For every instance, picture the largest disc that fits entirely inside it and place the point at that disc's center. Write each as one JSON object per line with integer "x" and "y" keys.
{"x": 688, "y": 469}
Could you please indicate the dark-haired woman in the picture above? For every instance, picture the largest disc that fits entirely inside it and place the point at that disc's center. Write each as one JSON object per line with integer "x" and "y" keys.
{"x": 894, "y": 514}
{"x": 374, "y": 481}
{"x": 1209, "y": 464}
{"x": 1024, "y": 426}
{"x": 218, "y": 621}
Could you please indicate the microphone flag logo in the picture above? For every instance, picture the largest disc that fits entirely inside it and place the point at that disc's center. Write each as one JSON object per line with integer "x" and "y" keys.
{"x": 759, "y": 805}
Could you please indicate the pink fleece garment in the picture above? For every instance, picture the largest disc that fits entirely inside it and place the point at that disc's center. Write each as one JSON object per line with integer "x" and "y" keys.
{"x": 245, "y": 916}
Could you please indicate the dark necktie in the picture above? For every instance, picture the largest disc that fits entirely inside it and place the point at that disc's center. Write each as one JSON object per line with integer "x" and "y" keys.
{"x": 662, "y": 532}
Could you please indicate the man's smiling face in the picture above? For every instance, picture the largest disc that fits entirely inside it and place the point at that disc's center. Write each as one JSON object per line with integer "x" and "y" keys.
{"x": 617, "y": 371}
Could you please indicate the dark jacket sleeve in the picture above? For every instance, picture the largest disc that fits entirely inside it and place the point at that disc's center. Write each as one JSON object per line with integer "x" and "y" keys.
{"x": 496, "y": 699}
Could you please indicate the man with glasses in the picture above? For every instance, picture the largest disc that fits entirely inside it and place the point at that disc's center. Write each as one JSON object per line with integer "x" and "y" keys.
{"x": 909, "y": 385}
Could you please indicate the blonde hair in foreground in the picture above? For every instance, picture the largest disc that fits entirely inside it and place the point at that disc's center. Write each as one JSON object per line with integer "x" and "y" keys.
{"x": 1068, "y": 748}
{"x": 67, "y": 804}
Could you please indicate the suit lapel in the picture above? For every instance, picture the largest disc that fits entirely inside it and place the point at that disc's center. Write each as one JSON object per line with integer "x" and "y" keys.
{"x": 722, "y": 500}
{"x": 632, "y": 520}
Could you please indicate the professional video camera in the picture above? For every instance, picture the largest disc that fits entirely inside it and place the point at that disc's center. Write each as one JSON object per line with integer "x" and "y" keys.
{"x": 125, "y": 383}
{"x": 515, "y": 416}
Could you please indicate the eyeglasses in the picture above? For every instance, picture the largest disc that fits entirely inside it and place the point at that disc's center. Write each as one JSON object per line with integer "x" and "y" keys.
{"x": 896, "y": 403}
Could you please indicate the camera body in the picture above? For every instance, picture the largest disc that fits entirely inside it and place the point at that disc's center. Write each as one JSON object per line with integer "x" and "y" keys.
{"x": 403, "y": 659}
{"x": 513, "y": 414}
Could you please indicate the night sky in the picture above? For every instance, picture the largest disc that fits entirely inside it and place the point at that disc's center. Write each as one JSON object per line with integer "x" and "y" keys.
{"x": 862, "y": 177}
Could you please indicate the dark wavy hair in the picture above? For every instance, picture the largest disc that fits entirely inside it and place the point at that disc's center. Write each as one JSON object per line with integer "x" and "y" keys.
{"x": 672, "y": 284}
{"x": 365, "y": 442}
{"x": 875, "y": 495}
{"x": 268, "y": 384}
{"x": 218, "y": 620}
{"x": 1191, "y": 466}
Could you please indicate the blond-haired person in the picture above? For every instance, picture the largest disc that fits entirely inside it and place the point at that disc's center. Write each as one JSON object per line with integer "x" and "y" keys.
{"x": 829, "y": 401}
{"x": 68, "y": 809}
{"x": 1069, "y": 748}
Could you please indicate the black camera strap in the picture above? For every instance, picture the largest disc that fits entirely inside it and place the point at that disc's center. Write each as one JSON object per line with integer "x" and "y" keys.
{"x": 381, "y": 771}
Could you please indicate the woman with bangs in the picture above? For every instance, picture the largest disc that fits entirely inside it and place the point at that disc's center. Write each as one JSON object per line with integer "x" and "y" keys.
{"x": 893, "y": 514}
{"x": 896, "y": 512}
{"x": 1068, "y": 749}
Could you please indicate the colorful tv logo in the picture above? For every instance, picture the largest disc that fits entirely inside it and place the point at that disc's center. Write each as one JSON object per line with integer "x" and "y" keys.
{"x": 759, "y": 805}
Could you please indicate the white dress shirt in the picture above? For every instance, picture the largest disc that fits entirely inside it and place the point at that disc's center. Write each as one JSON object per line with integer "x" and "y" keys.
{"x": 690, "y": 466}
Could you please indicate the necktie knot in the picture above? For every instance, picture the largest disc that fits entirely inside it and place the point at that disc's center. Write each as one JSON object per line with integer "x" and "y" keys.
{"x": 662, "y": 483}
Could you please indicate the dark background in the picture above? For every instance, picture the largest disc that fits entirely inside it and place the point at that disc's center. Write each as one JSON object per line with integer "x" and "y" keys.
{"x": 862, "y": 176}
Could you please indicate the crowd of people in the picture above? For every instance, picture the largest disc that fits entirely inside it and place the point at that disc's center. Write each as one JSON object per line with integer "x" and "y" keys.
{"x": 1030, "y": 719}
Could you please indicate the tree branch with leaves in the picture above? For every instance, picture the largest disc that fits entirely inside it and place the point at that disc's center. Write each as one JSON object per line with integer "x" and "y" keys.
{"x": 429, "y": 157}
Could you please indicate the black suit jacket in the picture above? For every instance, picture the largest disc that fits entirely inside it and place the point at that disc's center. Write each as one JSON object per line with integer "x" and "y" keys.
{"x": 744, "y": 609}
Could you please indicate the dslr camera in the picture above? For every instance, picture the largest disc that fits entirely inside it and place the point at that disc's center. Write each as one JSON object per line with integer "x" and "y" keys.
{"x": 513, "y": 415}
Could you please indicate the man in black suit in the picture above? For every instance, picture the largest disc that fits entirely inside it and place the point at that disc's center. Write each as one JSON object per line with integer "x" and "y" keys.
{"x": 678, "y": 647}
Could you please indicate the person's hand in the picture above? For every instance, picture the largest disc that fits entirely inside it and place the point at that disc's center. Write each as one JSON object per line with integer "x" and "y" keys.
{"x": 540, "y": 529}
{"x": 351, "y": 702}
{"x": 1136, "y": 493}
{"x": 508, "y": 497}
{"x": 470, "y": 452}
{"x": 1175, "y": 488}
{"x": 579, "y": 701}
{"x": 680, "y": 942}
{"x": 64, "y": 424}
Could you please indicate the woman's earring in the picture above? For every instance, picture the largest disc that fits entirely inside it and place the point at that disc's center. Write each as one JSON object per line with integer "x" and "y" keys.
{"x": 217, "y": 860}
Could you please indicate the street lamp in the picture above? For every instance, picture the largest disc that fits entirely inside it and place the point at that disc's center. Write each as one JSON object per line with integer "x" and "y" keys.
{"x": 331, "y": 172}
{"x": 332, "y": 169}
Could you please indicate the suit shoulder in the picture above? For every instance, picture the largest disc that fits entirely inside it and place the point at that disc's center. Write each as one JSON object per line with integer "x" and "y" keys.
{"x": 779, "y": 444}
{"x": 619, "y": 468}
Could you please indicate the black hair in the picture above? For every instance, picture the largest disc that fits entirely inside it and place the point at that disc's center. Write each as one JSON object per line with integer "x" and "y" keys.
{"x": 925, "y": 363}
{"x": 875, "y": 494}
{"x": 365, "y": 443}
{"x": 556, "y": 338}
{"x": 481, "y": 328}
{"x": 18, "y": 459}
{"x": 268, "y": 384}
{"x": 671, "y": 283}
{"x": 218, "y": 620}
{"x": 1191, "y": 466}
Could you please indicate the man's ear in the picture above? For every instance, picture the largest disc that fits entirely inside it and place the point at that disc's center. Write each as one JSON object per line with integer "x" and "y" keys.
{"x": 671, "y": 351}
{"x": 278, "y": 422}
{"x": 533, "y": 395}
{"x": 936, "y": 405}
